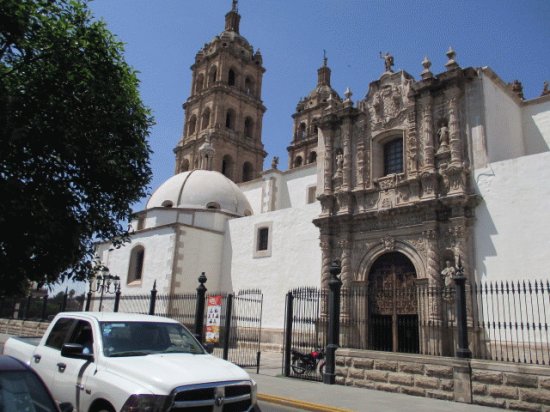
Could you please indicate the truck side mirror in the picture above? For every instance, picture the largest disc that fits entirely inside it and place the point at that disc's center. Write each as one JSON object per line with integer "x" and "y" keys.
{"x": 74, "y": 351}
{"x": 209, "y": 347}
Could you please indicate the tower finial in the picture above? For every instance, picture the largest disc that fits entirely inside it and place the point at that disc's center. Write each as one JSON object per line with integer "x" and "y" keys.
{"x": 235, "y": 7}
{"x": 325, "y": 58}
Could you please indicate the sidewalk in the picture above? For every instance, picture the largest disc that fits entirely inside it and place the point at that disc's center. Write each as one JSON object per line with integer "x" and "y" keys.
{"x": 316, "y": 396}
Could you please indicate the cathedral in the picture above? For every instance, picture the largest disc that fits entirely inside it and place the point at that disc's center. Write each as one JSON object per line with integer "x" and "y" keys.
{"x": 422, "y": 171}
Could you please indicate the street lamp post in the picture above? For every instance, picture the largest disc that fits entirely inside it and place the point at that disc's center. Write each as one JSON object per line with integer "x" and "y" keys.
{"x": 103, "y": 285}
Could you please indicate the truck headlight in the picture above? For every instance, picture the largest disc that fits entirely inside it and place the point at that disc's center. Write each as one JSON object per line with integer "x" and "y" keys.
{"x": 144, "y": 403}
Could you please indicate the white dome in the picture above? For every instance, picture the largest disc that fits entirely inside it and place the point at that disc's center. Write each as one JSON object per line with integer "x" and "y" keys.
{"x": 201, "y": 189}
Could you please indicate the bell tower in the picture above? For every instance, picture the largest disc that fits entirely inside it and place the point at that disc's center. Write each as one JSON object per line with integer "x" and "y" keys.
{"x": 303, "y": 148}
{"x": 225, "y": 105}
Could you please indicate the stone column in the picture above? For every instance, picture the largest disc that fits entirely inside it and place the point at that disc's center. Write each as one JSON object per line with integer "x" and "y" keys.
{"x": 347, "y": 130}
{"x": 454, "y": 127}
{"x": 427, "y": 122}
{"x": 329, "y": 138}
{"x": 411, "y": 141}
{"x": 360, "y": 179}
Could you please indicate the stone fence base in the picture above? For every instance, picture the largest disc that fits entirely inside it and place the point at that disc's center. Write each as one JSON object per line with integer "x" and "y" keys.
{"x": 498, "y": 384}
{"x": 23, "y": 327}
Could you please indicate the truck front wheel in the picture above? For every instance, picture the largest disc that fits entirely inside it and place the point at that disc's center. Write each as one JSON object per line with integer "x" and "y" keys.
{"x": 102, "y": 406}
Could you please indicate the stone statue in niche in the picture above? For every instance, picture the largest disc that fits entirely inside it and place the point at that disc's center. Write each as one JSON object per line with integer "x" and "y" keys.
{"x": 447, "y": 274}
{"x": 443, "y": 135}
{"x": 339, "y": 162}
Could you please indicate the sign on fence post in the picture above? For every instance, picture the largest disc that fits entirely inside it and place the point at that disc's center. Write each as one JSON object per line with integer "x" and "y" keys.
{"x": 213, "y": 319}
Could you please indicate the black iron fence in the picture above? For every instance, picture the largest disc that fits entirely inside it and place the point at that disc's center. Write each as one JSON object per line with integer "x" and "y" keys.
{"x": 505, "y": 321}
{"x": 39, "y": 307}
{"x": 305, "y": 332}
{"x": 511, "y": 320}
{"x": 238, "y": 336}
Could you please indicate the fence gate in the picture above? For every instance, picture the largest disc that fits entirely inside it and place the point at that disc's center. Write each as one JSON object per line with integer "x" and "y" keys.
{"x": 305, "y": 332}
{"x": 244, "y": 331}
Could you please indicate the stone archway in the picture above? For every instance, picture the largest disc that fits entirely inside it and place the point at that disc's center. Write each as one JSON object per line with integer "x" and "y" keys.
{"x": 392, "y": 304}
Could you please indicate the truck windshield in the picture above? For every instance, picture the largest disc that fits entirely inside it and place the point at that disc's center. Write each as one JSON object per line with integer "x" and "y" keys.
{"x": 145, "y": 338}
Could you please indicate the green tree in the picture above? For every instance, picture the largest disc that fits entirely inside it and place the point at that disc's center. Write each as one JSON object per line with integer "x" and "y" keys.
{"x": 74, "y": 155}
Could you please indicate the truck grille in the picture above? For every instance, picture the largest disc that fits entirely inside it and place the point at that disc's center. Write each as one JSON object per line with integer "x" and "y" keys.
{"x": 230, "y": 396}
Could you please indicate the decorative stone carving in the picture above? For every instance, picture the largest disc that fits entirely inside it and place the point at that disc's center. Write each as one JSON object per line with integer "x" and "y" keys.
{"x": 275, "y": 162}
{"x": 388, "y": 103}
{"x": 388, "y": 61}
{"x": 388, "y": 242}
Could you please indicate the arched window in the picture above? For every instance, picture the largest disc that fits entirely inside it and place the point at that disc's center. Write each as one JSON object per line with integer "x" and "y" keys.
{"x": 302, "y": 130}
{"x": 212, "y": 75}
{"x": 393, "y": 156}
{"x": 231, "y": 78}
{"x": 249, "y": 86}
{"x": 230, "y": 119}
{"x": 248, "y": 173}
{"x": 192, "y": 125}
{"x": 312, "y": 157}
{"x": 227, "y": 166}
{"x": 135, "y": 271}
{"x": 298, "y": 161}
{"x": 199, "y": 83}
{"x": 184, "y": 165}
{"x": 248, "y": 125}
{"x": 205, "y": 119}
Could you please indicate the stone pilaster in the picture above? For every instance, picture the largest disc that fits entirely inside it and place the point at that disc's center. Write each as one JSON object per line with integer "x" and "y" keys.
{"x": 454, "y": 127}
{"x": 347, "y": 131}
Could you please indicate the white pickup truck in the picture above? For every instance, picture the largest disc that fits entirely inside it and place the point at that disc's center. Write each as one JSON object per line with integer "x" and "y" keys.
{"x": 110, "y": 362}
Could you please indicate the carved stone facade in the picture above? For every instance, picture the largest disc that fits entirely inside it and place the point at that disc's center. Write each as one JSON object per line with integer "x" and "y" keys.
{"x": 225, "y": 105}
{"x": 394, "y": 174}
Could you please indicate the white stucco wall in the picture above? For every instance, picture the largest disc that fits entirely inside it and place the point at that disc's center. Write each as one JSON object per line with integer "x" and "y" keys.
{"x": 536, "y": 125}
{"x": 513, "y": 221}
{"x": 298, "y": 184}
{"x": 157, "y": 262}
{"x": 295, "y": 257}
{"x": 199, "y": 251}
{"x": 503, "y": 122}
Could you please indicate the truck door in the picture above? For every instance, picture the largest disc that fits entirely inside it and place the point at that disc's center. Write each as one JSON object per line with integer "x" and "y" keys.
{"x": 46, "y": 357}
{"x": 71, "y": 374}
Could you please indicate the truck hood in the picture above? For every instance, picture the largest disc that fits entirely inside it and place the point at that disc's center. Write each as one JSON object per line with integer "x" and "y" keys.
{"x": 160, "y": 373}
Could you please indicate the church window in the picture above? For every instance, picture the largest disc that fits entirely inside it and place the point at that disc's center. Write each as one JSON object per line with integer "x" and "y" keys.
{"x": 227, "y": 166}
{"x": 298, "y": 161}
{"x": 184, "y": 165}
{"x": 312, "y": 157}
{"x": 302, "y": 131}
{"x": 167, "y": 203}
{"x": 393, "y": 156}
{"x": 248, "y": 86}
{"x": 199, "y": 83}
{"x": 135, "y": 271}
{"x": 192, "y": 125}
{"x": 231, "y": 78}
{"x": 248, "y": 123}
{"x": 263, "y": 236}
{"x": 230, "y": 119}
{"x": 247, "y": 171}
{"x": 262, "y": 239}
{"x": 213, "y": 205}
{"x": 140, "y": 222}
{"x": 212, "y": 76}
{"x": 205, "y": 119}
{"x": 311, "y": 192}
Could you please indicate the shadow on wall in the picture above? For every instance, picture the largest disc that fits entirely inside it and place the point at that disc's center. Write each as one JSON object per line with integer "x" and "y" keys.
{"x": 484, "y": 229}
{"x": 535, "y": 142}
{"x": 226, "y": 281}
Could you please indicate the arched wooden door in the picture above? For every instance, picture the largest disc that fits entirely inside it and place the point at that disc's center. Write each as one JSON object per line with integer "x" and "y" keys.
{"x": 393, "y": 314}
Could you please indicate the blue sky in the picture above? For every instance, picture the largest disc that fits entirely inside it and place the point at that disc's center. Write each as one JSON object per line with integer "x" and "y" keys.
{"x": 163, "y": 36}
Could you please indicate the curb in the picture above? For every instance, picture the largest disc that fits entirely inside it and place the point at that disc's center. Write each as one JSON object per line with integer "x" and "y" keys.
{"x": 308, "y": 406}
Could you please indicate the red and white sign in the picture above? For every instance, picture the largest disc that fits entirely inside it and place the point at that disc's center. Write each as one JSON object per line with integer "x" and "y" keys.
{"x": 213, "y": 317}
